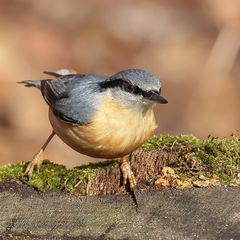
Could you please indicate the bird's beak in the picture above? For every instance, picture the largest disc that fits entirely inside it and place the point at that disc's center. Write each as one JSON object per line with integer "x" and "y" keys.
{"x": 156, "y": 97}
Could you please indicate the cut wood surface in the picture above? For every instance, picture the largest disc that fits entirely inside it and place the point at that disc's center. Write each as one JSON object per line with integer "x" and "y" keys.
{"x": 203, "y": 213}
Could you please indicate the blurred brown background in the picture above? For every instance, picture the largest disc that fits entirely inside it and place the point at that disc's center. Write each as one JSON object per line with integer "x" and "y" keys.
{"x": 191, "y": 45}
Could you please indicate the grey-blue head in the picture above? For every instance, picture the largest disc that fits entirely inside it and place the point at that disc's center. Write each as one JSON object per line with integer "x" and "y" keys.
{"x": 135, "y": 87}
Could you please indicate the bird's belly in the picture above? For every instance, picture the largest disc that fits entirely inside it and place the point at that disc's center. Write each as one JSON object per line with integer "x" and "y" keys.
{"x": 107, "y": 136}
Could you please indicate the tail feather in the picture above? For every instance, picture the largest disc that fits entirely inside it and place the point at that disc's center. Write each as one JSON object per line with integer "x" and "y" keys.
{"x": 31, "y": 83}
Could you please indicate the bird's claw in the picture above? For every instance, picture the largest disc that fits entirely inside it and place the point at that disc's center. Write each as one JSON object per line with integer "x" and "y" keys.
{"x": 127, "y": 175}
{"x": 35, "y": 163}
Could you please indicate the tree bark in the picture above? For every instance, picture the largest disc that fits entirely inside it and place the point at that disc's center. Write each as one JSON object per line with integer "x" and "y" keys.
{"x": 107, "y": 180}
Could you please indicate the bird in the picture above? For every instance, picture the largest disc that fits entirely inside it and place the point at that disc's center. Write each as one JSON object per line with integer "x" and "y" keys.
{"x": 100, "y": 116}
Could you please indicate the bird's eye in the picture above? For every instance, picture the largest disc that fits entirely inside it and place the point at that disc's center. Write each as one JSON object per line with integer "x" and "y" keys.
{"x": 127, "y": 87}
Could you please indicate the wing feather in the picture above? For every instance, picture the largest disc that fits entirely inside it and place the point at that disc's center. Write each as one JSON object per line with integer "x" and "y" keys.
{"x": 72, "y": 98}
{"x": 52, "y": 91}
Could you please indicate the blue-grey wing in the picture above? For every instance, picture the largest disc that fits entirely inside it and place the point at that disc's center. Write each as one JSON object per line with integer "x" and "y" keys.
{"x": 73, "y": 98}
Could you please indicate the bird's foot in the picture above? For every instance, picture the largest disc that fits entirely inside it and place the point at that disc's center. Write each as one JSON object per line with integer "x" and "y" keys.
{"x": 127, "y": 175}
{"x": 36, "y": 162}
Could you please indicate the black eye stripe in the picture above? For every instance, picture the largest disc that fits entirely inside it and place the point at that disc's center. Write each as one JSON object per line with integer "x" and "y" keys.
{"x": 147, "y": 94}
{"x": 126, "y": 86}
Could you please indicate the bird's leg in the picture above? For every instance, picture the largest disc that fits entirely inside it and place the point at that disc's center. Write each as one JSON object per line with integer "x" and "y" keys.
{"x": 38, "y": 158}
{"x": 127, "y": 174}
{"x": 128, "y": 177}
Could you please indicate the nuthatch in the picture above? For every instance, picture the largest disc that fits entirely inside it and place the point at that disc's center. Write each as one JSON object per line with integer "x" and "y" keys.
{"x": 100, "y": 116}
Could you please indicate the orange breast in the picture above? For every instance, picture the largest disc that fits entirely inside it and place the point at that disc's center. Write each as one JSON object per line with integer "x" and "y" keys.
{"x": 114, "y": 131}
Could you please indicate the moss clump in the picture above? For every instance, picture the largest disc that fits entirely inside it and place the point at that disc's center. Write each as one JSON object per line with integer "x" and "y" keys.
{"x": 12, "y": 171}
{"x": 169, "y": 142}
{"x": 52, "y": 176}
{"x": 189, "y": 157}
{"x": 211, "y": 156}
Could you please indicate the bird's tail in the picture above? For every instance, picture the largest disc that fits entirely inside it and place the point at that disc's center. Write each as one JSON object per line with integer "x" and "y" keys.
{"x": 31, "y": 83}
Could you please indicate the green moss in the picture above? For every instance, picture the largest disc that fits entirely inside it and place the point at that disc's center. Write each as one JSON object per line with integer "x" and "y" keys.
{"x": 189, "y": 157}
{"x": 52, "y": 176}
{"x": 12, "y": 171}
{"x": 193, "y": 157}
{"x": 169, "y": 142}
